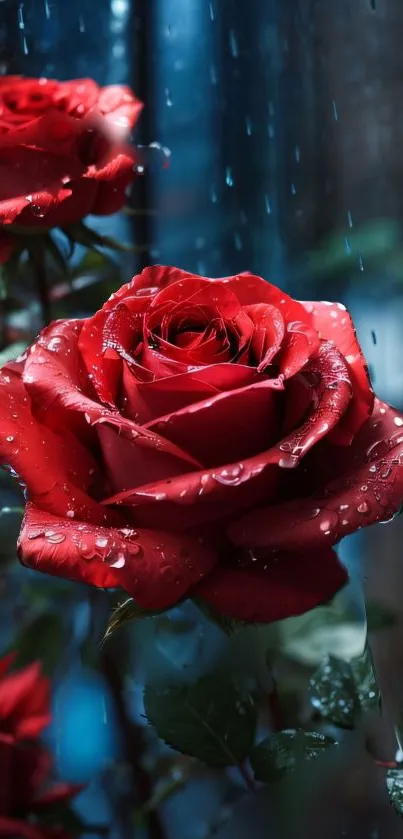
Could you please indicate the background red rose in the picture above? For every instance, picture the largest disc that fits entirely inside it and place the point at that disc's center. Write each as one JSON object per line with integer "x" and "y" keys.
{"x": 196, "y": 437}
{"x": 63, "y": 152}
{"x": 25, "y": 764}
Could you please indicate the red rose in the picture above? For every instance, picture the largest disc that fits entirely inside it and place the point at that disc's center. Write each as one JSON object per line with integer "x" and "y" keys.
{"x": 25, "y": 765}
{"x": 63, "y": 152}
{"x": 196, "y": 437}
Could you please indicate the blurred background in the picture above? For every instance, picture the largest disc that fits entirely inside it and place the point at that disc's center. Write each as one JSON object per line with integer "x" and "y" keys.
{"x": 282, "y": 125}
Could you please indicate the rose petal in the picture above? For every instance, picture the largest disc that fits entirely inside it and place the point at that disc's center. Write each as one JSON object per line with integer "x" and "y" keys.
{"x": 52, "y": 467}
{"x": 268, "y": 332}
{"x": 332, "y": 393}
{"x": 155, "y": 567}
{"x": 144, "y": 401}
{"x": 13, "y": 828}
{"x": 62, "y": 388}
{"x": 369, "y": 489}
{"x": 301, "y": 340}
{"x": 236, "y": 423}
{"x": 334, "y": 323}
{"x": 287, "y": 585}
{"x": 25, "y": 703}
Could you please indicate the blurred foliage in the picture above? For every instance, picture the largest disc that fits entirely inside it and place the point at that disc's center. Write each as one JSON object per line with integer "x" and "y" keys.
{"x": 43, "y": 638}
{"x": 345, "y": 250}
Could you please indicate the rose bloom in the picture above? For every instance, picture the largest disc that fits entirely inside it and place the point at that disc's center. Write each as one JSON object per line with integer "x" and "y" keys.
{"x": 63, "y": 152}
{"x": 200, "y": 438}
{"x": 25, "y": 765}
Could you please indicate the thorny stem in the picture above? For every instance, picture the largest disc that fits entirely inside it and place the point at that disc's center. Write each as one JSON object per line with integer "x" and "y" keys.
{"x": 134, "y": 741}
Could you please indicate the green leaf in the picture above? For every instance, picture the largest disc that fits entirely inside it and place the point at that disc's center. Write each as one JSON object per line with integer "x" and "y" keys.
{"x": 342, "y": 691}
{"x": 92, "y": 263}
{"x": 228, "y": 625}
{"x": 380, "y": 616}
{"x": 285, "y": 751}
{"x": 339, "y": 251}
{"x": 125, "y": 613}
{"x": 42, "y": 639}
{"x": 394, "y": 786}
{"x": 210, "y": 720}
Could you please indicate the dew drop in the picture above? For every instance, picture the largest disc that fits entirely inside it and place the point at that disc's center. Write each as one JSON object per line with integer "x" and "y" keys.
{"x": 312, "y": 514}
{"x": 54, "y": 538}
{"x": 230, "y": 475}
{"x": 116, "y": 559}
{"x": 289, "y": 461}
{"x": 34, "y": 534}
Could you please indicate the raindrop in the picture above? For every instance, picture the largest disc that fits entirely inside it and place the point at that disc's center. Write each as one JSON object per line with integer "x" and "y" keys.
{"x": 248, "y": 126}
{"x": 233, "y": 44}
{"x": 360, "y": 262}
{"x": 297, "y": 154}
{"x": 47, "y": 10}
{"x": 373, "y": 336}
{"x": 293, "y": 189}
{"x": 228, "y": 176}
{"x": 168, "y": 99}
{"x": 335, "y": 111}
{"x": 81, "y": 23}
{"x": 268, "y": 205}
{"x": 212, "y": 12}
{"x": 363, "y": 507}
{"x": 349, "y": 219}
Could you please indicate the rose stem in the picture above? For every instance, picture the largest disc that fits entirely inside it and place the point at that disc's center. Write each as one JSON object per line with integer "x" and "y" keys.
{"x": 248, "y": 780}
{"x": 134, "y": 741}
{"x": 37, "y": 260}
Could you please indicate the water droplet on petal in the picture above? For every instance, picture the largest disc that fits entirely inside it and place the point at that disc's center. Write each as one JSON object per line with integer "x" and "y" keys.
{"x": 10, "y": 439}
{"x": 289, "y": 461}
{"x": 230, "y": 475}
{"x": 398, "y": 421}
{"x": 101, "y": 541}
{"x": 34, "y": 534}
{"x": 54, "y": 538}
{"x": 311, "y": 514}
{"x": 363, "y": 507}
{"x": 116, "y": 558}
